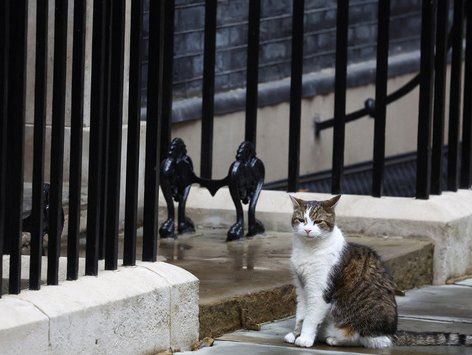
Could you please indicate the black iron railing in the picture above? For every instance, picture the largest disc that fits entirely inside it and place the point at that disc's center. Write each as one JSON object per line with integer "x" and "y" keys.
{"x": 247, "y": 172}
{"x": 435, "y": 43}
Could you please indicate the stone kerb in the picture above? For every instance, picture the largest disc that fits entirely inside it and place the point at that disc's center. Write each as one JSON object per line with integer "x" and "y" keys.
{"x": 144, "y": 309}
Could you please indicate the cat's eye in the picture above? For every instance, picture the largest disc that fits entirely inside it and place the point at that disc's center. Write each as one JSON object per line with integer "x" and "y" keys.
{"x": 301, "y": 220}
{"x": 318, "y": 221}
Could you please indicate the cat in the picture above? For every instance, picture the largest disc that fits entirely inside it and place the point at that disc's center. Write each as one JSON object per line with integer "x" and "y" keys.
{"x": 345, "y": 296}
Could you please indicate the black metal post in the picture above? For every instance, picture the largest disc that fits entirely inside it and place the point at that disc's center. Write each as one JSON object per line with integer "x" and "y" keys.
{"x": 380, "y": 96}
{"x": 153, "y": 131}
{"x": 57, "y": 140}
{"x": 340, "y": 82}
{"x": 167, "y": 60}
{"x": 40, "y": 90}
{"x": 466, "y": 156}
{"x": 134, "y": 121}
{"x": 115, "y": 134}
{"x": 15, "y": 138}
{"x": 208, "y": 94}
{"x": 296, "y": 89}
{"x": 423, "y": 162}
{"x": 252, "y": 71}
{"x": 440, "y": 67}
{"x": 76, "y": 133}
{"x": 106, "y": 103}
{"x": 455, "y": 96}
{"x": 96, "y": 136}
{"x": 4, "y": 40}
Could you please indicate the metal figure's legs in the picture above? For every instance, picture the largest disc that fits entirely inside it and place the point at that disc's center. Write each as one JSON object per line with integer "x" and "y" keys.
{"x": 167, "y": 229}
{"x": 254, "y": 226}
{"x": 185, "y": 224}
{"x": 237, "y": 230}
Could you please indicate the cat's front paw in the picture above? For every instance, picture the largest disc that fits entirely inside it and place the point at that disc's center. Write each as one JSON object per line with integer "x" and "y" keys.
{"x": 305, "y": 341}
{"x": 332, "y": 341}
{"x": 290, "y": 338}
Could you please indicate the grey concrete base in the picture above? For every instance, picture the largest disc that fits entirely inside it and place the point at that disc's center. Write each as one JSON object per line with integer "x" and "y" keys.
{"x": 135, "y": 310}
{"x": 446, "y": 220}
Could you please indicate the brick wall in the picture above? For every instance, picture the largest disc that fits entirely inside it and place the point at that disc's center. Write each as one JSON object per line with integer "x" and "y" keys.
{"x": 275, "y": 48}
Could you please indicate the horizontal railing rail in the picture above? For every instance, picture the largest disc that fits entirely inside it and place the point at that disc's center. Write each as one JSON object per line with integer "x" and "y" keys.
{"x": 369, "y": 104}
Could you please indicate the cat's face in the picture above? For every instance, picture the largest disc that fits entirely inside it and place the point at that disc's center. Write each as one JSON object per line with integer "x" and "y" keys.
{"x": 313, "y": 219}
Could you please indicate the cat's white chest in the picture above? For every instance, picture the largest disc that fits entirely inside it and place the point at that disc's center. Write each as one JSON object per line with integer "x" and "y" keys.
{"x": 312, "y": 263}
{"x": 313, "y": 269}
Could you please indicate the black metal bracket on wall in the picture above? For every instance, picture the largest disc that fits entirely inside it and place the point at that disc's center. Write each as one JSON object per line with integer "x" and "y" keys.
{"x": 245, "y": 179}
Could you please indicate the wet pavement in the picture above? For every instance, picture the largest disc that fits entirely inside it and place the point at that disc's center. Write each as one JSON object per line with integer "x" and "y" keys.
{"x": 232, "y": 269}
{"x": 433, "y": 308}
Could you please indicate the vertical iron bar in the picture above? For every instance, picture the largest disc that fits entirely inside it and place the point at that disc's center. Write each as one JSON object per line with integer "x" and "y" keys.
{"x": 381, "y": 79}
{"x": 153, "y": 130}
{"x": 455, "y": 96}
{"x": 134, "y": 121}
{"x": 466, "y": 158}
{"x": 96, "y": 136}
{"x": 252, "y": 71}
{"x": 440, "y": 67}
{"x": 76, "y": 133}
{"x": 4, "y": 40}
{"x": 208, "y": 94}
{"x": 40, "y": 91}
{"x": 15, "y": 138}
{"x": 115, "y": 134}
{"x": 296, "y": 88}
{"x": 423, "y": 161}
{"x": 105, "y": 132}
{"x": 167, "y": 59}
{"x": 57, "y": 140}
{"x": 340, "y": 82}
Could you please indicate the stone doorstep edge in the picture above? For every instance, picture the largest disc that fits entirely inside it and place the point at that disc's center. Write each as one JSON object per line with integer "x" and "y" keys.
{"x": 446, "y": 220}
{"x": 410, "y": 270}
{"x": 143, "y": 309}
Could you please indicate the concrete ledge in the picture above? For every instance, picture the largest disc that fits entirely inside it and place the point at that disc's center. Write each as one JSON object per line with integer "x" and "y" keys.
{"x": 143, "y": 309}
{"x": 446, "y": 220}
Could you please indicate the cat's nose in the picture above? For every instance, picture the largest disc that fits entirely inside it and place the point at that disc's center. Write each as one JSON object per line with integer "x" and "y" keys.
{"x": 307, "y": 230}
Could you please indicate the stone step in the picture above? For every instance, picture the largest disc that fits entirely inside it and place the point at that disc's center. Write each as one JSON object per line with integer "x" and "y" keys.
{"x": 248, "y": 282}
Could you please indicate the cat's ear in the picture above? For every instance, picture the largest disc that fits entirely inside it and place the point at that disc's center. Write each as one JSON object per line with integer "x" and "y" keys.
{"x": 297, "y": 203}
{"x": 331, "y": 203}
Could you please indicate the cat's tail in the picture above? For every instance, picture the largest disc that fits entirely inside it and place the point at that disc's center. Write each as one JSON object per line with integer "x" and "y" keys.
{"x": 406, "y": 338}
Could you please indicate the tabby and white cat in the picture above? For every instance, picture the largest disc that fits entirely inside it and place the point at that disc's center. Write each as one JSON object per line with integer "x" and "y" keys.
{"x": 345, "y": 296}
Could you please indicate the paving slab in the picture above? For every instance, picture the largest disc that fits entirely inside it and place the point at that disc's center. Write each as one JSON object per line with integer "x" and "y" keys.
{"x": 234, "y": 348}
{"x": 429, "y": 309}
{"x": 464, "y": 283}
{"x": 269, "y": 340}
{"x": 449, "y": 303}
{"x": 273, "y": 333}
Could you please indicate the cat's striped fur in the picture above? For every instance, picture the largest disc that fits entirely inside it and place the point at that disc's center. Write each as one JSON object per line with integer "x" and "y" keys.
{"x": 345, "y": 296}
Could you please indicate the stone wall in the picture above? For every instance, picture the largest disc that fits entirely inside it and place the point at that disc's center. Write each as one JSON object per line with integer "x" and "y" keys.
{"x": 275, "y": 38}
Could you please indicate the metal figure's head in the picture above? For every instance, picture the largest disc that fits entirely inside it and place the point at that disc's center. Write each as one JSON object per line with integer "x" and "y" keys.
{"x": 246, "y": 151}
{"x": 177, "y": 148}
